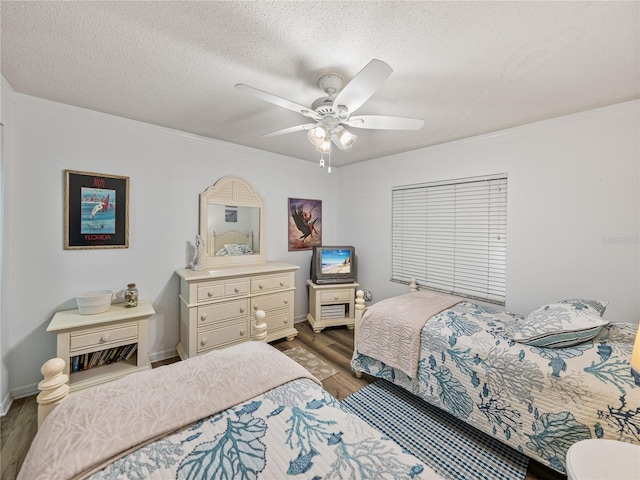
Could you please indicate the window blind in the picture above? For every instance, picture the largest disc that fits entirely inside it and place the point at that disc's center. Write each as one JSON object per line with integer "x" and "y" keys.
{"x": 451, "y": 236}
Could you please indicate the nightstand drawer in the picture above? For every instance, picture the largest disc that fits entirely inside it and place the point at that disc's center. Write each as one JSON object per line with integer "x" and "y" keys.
{"x": 222, "y": 311}
{"x": 103, "y": 337}
{"x": 335, "y": 296}
{"x": 215, "y": 337}
{"x": 271, "y": 302}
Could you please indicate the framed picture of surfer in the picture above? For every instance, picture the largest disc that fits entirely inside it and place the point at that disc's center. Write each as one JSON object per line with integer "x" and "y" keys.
{"x": 305, "y": 224}
{"x": 96, "y": 211}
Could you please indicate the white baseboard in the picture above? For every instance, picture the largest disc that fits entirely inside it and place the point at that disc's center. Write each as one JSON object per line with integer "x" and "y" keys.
{"x": 159, "y": 356}
{"x": 6, "y": 405}
{"x": 14, "y": 394}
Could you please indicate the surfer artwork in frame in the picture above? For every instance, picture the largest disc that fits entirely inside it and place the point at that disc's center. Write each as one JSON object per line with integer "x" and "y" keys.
{"x": 96, "y": 211}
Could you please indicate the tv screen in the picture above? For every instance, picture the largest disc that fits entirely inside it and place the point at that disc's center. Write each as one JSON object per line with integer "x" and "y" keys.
{"x": 333, "y": 265}
{"x": 335, "y": 261}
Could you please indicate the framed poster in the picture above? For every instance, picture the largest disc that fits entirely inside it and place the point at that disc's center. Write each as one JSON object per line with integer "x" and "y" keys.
{"x": 305, "y": 224}
{"x": 96, "y": 211}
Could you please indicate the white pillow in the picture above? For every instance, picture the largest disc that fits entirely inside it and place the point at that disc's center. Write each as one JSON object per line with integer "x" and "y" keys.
{"x": 237, "y": 249}
{"x": 562, "y": 324}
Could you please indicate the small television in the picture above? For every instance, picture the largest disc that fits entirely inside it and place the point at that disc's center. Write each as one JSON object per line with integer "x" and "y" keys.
{"x": 333, "y": 265}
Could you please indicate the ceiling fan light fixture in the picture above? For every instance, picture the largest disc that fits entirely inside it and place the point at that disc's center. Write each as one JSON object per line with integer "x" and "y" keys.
{"x": 345, "y": 137}
{"x": 317, "y": 135}
{"x": 326, "y": 145}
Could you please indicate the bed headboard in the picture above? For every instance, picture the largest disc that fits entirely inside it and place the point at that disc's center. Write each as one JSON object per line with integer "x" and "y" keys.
{"x": 216, "y": 242}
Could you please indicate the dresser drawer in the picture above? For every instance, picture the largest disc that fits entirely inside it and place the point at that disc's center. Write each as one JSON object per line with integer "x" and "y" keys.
{"x": 238, "y": 287}
{"x": 278, "y": 320}
{"x": 282, "y": 281}
{"x": 264, "y": 284}
{"x": 210, "y": 291}
{"x": 335, "y": 296}
{"x": 103, "y": 337}
{"x": 216, "y": 337}
{"x": 261, "y": 284}
{"x": 271, "y": 302}
{"x": 219, "y": 290}
{"x": 224, "y": 311}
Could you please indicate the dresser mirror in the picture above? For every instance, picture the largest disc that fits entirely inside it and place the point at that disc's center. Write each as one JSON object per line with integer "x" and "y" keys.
{"x": 232, "y": 224}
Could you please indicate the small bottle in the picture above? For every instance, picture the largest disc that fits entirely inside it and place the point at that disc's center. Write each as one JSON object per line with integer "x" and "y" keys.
{"x": 131, "y": 296}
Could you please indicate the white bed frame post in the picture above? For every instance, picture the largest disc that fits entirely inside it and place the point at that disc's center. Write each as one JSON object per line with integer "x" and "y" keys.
{"x": 359, "y": 311}
{"x": 260, "y": 327}
{"x": 53, "y": 389}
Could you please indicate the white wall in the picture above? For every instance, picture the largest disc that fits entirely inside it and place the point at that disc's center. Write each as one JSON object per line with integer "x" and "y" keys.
{"x": 167, "y": 171}
{"x": 573, "y": 207}
{"x": 573, "y": 190}
{"x": 5, "y": 112}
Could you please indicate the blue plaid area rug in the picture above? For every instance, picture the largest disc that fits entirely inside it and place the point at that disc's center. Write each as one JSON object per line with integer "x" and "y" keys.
{"x": 449, "y": 446}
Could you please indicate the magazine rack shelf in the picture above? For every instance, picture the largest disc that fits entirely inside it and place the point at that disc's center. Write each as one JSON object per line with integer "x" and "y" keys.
{"x": 111, "y": 344}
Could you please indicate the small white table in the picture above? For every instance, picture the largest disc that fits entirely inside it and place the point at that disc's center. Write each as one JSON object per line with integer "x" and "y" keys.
{"x": 602, "y": 459}
{"x": 331, "y": 305}
{"x": 85, "y": 334}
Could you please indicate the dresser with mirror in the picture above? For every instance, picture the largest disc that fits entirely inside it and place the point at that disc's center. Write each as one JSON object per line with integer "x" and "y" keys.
{"x": 218, "y": 302}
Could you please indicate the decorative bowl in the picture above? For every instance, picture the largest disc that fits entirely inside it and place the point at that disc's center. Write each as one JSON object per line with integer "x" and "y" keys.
{"x": 97, "y": 301}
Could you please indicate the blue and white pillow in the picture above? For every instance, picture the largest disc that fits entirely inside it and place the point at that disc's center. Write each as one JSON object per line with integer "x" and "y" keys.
{"x": 562, "y": 324}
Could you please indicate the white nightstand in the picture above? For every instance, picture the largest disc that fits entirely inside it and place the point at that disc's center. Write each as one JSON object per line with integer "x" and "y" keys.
{"x": 601, "y": 459}
{"x": 86, "y": 336}
{"x": 331, "y": 305}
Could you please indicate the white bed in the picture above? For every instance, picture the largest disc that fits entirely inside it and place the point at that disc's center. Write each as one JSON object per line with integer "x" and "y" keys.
{"x": 537, "y": 399}
{"x": 247, "y": 411}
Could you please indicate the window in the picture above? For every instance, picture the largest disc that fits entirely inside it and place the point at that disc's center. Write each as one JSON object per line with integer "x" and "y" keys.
{"x": 451, "y": 236}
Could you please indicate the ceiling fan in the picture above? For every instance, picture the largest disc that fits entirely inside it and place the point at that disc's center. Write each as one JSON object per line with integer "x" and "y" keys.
{"x": 330, "y": 114}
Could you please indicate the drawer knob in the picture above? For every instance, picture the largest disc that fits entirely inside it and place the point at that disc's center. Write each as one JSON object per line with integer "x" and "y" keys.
{"x": 203, "y": 342}
{"x": 210, "y": 293}
{"x": 241, "y": 309}
{"x": 236, "y": 290}
{"x": 285, "y": 321}
{"x": 336, "y": 297}
{"x": 203, "y": 317}
{"x": 286, "y": 301}
{"x": 242, "y": 332}
{"x": 105, "y": 338}
{"x": 282, "y": 284}
{"x": 255, "y": 307}
{"x": 260, "y": 286}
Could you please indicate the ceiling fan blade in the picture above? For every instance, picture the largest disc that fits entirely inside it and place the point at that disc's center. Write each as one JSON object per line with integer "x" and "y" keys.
{"x": 385, "y": 122}
{"x": 297, "y": 128}
{"x": 363, "y": 85}
{"x": 281, "y": 102}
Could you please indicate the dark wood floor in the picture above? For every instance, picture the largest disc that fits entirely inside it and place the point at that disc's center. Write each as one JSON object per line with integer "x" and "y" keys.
{"x": 334, "y": 345}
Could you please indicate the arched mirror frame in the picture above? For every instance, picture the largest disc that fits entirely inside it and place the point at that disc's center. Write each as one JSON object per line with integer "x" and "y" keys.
{"x": 230, "y": 192}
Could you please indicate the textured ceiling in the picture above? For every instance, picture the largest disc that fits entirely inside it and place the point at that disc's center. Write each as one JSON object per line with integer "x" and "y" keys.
{"x": 466, "y": 68}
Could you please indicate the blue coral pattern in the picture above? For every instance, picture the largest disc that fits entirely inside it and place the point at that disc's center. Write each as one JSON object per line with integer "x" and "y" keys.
{"x": 537, "y": 400}
{"x": 294, "y": 431}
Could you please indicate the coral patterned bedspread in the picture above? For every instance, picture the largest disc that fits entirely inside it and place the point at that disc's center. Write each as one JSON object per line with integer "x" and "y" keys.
{"x": 247, "y": 411}
{"x": 538, "y": 400}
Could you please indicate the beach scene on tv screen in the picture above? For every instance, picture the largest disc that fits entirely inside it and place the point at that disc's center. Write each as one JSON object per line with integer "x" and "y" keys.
{"x": 336, "y": 261}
